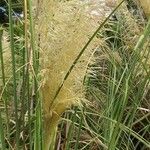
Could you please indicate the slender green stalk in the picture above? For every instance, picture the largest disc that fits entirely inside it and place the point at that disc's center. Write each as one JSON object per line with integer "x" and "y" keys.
{"x": 12, "y": 45}
{"x": 38, "y": 134}
{"x": 27, "y": 74}
{"x": 3, "y": 78}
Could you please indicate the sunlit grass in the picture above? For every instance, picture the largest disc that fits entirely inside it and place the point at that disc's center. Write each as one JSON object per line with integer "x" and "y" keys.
{"x": 68, "y": 81}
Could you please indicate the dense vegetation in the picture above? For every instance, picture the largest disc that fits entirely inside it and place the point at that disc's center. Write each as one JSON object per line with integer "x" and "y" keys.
{"x": 72, "y": 79}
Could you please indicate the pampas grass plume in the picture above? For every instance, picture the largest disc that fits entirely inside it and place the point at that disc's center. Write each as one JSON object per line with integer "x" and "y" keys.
{"x": 64, "y": 28}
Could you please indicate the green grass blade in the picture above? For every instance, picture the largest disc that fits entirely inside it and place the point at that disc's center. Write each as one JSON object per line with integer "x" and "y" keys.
{"x": 11, "y": 30}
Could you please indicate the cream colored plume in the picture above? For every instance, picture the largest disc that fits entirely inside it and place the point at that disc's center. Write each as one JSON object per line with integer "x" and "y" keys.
{"x": 64, "y": 28}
